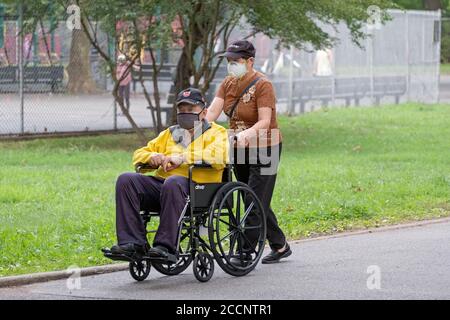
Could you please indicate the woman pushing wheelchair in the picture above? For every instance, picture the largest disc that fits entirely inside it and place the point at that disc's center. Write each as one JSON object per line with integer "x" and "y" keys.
{"x": 247, "y": 97}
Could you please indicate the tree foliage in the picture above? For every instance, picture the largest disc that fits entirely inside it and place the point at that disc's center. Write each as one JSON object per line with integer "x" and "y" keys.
{"x": 197, "y": 25}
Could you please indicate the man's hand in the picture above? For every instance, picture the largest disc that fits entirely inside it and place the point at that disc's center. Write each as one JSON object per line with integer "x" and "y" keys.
{"x": 157, "y": 160}
{"x": 172, "y": 162}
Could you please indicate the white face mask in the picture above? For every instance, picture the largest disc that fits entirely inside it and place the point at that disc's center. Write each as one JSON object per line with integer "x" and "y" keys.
{"x": 236, "y": 69}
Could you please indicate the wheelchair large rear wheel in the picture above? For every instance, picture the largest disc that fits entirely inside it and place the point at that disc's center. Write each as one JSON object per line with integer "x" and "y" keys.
{"x": 237, "y": 228}
{"x": 184, "y": 259}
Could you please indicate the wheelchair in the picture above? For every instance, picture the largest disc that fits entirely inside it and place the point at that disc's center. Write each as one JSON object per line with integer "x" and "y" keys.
{"x": 216, "y": 224}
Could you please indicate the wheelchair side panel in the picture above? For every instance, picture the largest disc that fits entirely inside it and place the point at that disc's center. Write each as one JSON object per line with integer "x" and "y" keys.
{"x": 202, "y": 194}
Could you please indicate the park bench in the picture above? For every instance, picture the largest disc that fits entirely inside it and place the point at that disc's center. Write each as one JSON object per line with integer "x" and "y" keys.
{"x": 168, "y": 111}
{"x": 52, "y": 76}
{"x": 48, "y": 75}
{"x": 389, "y": 86}
{"x": 165, "y": 74}
{"x": 345, "y": 88}
{"x": 8, "y": 75}
{"x": 361, "y": 87}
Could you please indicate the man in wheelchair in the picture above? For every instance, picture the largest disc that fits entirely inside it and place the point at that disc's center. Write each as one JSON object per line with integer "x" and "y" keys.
{"x": 170, "y": 154}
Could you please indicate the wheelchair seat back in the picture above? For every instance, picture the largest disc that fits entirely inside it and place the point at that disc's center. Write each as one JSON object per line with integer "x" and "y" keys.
{"x": 202, "y": 194}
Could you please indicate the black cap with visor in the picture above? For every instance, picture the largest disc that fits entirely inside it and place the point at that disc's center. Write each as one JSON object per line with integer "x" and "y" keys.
{"x": 240, "y": 49}
{"x": 191, "y": 96}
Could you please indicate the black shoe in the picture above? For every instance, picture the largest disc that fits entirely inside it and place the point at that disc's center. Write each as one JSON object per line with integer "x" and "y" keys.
{"x": 276, "y": 256}
{"x": 161, "y": 252}
{"x": 246, "y": 260}
{"x": 158, "y": 251}
{"x": 129, "y": 249}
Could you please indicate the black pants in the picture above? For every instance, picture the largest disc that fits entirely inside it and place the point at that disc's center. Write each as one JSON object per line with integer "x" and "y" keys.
{"x": 136, "y": 192}
{"x": 261, "y": 176}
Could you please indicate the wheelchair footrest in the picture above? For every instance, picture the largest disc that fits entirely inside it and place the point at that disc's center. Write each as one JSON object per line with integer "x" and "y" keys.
{"x": 171, "y": 258}
{"x": 117, "y": 257}
{"x": 121, "y": 257}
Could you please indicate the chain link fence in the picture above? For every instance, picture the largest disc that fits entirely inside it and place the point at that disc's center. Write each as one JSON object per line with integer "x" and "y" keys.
{"x": 66, "y": 88}
{"x": 398, "y": 63}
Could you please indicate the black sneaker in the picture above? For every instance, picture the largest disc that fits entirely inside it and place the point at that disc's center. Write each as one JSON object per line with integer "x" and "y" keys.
{"x": 276, "y": 256}
{"x": 129, "y": 249}
{"x": 246, "y": 260}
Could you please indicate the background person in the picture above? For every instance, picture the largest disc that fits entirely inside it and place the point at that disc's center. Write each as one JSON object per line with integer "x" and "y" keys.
{"x": 123, "y": 74}
{"x": 323, "y": 63}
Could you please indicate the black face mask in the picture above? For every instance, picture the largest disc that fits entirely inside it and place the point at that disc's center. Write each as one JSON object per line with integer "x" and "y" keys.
{"x": 186, "y": 120}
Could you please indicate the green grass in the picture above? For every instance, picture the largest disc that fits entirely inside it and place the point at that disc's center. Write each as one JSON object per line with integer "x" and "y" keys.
{"x": 445, "y": 68}
{"x": 340, "y": 169}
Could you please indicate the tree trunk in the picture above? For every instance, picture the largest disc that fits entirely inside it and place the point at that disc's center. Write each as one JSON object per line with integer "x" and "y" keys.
{"x": 79, "y": 68}
{"x": 182, "y": 79}
{"x": 432, "y": 4}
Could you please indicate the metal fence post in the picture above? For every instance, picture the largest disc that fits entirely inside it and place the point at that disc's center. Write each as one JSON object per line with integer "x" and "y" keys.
{"x": 333, "y": 88}
{"x": 371, "y": 42}
{"x": 408, "y": 71}
{"x": 115, "y": 115}
{"x": 20, "y": 63}
{"x": 438, "y": 62}
{"x": 333, "y": 72}
{"x": 112, "y": 55}
{"x": 291, "y": 106}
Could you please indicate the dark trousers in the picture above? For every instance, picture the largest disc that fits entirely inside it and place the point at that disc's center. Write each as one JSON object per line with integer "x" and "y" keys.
{"x": 124, "y": 94}
{"x": 252, "y": 172}
{"x": 136, "y": 192}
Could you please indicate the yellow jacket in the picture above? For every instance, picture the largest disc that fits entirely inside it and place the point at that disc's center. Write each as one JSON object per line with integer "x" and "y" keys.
{"x": 211, "y": 147}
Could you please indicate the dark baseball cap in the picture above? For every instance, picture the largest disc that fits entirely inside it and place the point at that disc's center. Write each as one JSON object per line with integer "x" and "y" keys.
{"x": 240, "y": 49}
{"x": 191, "y": 96}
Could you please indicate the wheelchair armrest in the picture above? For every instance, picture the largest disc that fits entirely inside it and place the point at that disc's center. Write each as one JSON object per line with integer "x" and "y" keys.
{"x": 142, "y": 167}
{"x": 201, "y": 164}
{"x": 198, "y": 164}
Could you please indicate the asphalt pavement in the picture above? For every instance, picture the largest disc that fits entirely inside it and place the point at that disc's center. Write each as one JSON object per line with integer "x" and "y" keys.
{"x": 405, "y": 263}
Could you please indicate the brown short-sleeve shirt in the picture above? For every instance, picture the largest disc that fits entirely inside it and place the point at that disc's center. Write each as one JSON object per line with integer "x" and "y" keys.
{"x": 245, "y": 115}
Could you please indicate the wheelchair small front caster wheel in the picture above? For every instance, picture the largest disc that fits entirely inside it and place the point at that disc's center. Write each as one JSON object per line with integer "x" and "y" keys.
{"x": 140, "y": 269}
{"x": 203, "y": 267}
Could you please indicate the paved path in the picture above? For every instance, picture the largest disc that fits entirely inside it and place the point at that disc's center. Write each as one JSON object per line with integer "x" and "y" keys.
{"x": 413, "y": 263}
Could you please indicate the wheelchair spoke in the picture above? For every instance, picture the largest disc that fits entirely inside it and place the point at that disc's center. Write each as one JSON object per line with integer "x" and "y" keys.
{"x": 184, "y": 236}
{"x": 239, "y": 242}
{"x": 233, "y": 221}
{"x": 229, "y": 234}
{"x": 232, "y": 243}
{"x": 230, "y": 214}
{"x": 238, "y": 207}
{"x": 228, "y": 224}
{"x": 252, "y": 227}
{"x": 232, "y": 237}
{"x": 248, "y": 242}
{"x": 247, "y": 213}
